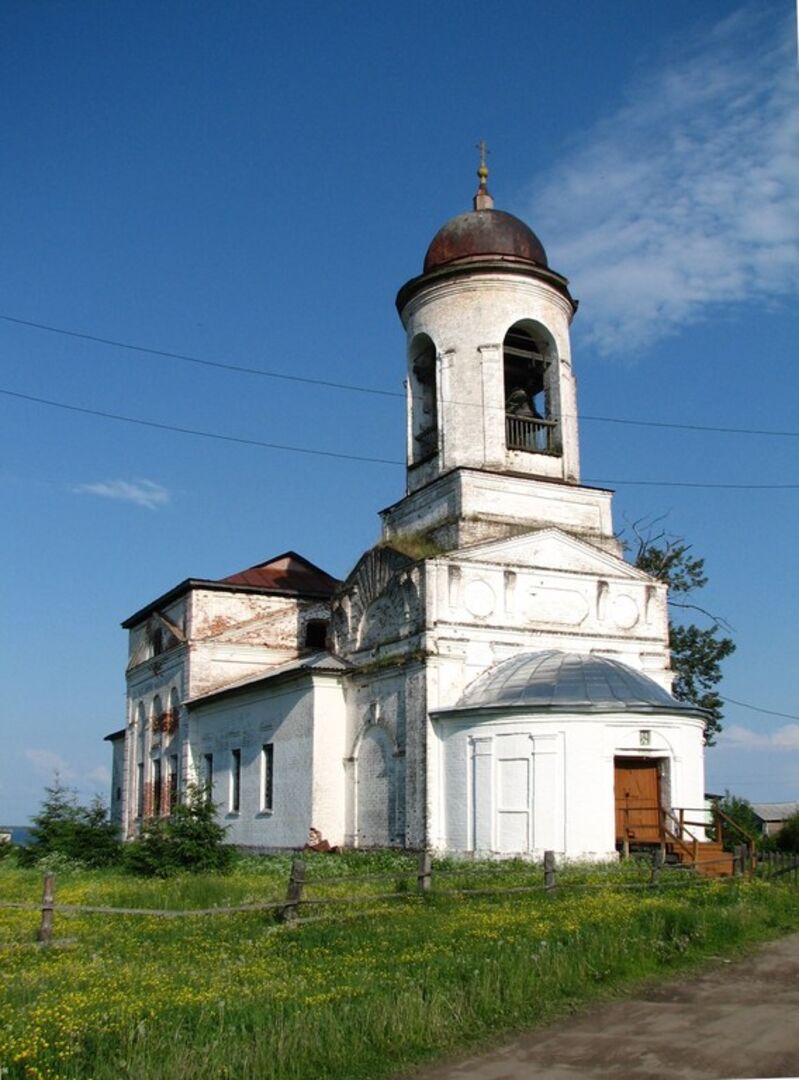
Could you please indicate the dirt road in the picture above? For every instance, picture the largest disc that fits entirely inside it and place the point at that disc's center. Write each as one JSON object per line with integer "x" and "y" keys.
{"x": 737, "y": 1020}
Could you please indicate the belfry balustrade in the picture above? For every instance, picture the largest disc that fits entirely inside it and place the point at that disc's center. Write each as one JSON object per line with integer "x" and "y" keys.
{"x": 530, "y": 433}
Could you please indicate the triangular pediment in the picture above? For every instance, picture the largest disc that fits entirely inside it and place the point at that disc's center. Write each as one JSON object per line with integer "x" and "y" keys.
{"x": 551, "y": 549}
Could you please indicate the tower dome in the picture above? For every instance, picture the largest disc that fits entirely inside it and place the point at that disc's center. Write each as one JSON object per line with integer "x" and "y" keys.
{"x": 484, "y": 233}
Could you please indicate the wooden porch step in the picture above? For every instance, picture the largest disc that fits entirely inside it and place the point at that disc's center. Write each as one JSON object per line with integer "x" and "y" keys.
{"x": 711, "y": 858}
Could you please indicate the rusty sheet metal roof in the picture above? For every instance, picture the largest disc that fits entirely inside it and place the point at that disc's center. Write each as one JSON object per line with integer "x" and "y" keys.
{"x": 484, "y": 232}
{"x": 288, "y": 574}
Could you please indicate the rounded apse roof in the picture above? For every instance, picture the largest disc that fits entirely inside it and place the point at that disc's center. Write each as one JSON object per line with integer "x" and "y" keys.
{"x": 569, "y": 682}
{"x": 484, "y": 233}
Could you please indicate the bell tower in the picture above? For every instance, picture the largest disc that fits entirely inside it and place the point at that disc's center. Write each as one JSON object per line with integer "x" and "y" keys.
{"x": 492, "y": 436}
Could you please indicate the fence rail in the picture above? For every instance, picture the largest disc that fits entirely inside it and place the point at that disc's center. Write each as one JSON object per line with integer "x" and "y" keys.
{"x": 778, "y": 864}
{"x": 771, "y": 866}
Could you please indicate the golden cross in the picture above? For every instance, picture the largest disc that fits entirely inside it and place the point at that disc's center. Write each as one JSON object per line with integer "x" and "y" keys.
{"x": 481, "y": 146}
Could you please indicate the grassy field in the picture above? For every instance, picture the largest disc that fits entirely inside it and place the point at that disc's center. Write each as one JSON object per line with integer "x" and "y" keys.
{"x": 364, "y": 992}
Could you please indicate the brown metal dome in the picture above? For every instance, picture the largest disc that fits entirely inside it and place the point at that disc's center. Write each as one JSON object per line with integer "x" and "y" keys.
{"x": 481, "y": 233}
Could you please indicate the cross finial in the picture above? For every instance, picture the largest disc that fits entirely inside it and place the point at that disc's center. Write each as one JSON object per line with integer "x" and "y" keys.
{"x": 483, "y": 200}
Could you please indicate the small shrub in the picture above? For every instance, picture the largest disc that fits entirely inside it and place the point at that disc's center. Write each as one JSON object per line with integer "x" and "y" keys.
{"x": 739, "y": 810}
{"x": 63, "y": 828}
{"x": 190, "y": 840}
{"x": 787, "y": 839}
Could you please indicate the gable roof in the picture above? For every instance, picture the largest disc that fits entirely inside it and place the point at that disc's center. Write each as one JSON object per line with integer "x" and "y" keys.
{"x": 552, "y": 549}
{"x": 775, "y": 811}
{"x": 288, "y": 574}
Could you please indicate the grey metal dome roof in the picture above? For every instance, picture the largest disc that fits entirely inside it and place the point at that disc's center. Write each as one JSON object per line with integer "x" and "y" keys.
{"x": 569, "y": 682}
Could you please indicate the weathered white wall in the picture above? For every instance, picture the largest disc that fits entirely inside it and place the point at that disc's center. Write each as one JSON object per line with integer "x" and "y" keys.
{"x": 305, "y": 721}
{"x": 467, "y": 318}
{"x": 526, "y": 784}
{"x": 225, "y": 636}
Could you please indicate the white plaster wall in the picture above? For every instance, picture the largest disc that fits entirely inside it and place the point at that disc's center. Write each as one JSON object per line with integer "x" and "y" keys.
{"x": 469, "y": 506}
{"x": 328, "y": 799}
{"x": 387, "y": 705}
{"x": 305, "y": 722}
{"x": 571, "y": 789}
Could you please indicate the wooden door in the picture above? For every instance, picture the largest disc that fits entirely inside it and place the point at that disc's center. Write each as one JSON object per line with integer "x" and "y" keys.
{"x": 637, "y": 784}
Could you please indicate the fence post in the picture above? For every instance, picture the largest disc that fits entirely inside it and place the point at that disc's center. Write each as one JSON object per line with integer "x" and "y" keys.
{"x": 657, "y": 863}
{"x": 45, "y": 935}
{"x": 738, "y": 860}
{"x": 424, "y": 873}
{"x": 294, "y": 891}
{"x": 549, "y": 871}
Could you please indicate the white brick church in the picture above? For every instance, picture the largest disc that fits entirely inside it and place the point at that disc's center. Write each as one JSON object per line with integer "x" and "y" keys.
{"x": 492, "y": 677}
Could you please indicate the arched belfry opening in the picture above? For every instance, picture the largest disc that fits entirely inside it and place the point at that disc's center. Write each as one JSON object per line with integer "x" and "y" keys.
{"x": 423, "y": 399}
{"x": 528, "y": 365}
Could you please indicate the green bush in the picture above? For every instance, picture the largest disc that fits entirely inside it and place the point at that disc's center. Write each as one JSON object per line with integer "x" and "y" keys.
{"x": 64, "y": 829}
{"x": 739, "y": 810}
{"x": 787, "y": 839}
{"x": 190, "y": 840}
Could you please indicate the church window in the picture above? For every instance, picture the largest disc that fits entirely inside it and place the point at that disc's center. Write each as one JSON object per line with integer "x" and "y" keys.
{"x": 140, "y": 790}
{"x": 208, "y": 775}
{"x": 424, "y": 403}
{"x": 235, "y": 781}
{"x": 157, "y": 716}
{"x": 173, "y": 783}
{"x": 155, "y": 810}
{"x": 529, "y": 424}
{"x": 267, "y": 775}
{"x": 316, "y": 633}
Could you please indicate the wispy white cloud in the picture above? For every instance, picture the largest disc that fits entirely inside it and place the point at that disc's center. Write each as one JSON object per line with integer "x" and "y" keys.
{"x": 47, "y": 762}
{"x": 100, "y": 775}
{"x": 140, "y": 492}
{"x": 782, "y": 738}
{"x": 687, "y": 197}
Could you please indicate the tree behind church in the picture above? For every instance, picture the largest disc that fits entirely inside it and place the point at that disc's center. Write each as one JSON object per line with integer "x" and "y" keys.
{"x": 696, "y": 651}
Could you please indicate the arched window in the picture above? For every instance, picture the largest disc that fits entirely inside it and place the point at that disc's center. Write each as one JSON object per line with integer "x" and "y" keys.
{"x": 157, "y": 715}
{"x": 529, "y": 424}
{"x": 424, "y": 406}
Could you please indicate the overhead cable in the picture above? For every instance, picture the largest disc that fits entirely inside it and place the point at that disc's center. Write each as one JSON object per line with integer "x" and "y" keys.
{"x": 350, "y": 457}
{"x": 243, "y": 369}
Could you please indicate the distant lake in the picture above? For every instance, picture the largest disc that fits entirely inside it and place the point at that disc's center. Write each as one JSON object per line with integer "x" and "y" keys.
{"x": 20, "y": 834}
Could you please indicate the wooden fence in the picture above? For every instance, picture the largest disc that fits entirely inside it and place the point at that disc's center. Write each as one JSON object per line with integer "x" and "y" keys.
{"x": 542, "y": 879}
{"x": 783, "y": 865}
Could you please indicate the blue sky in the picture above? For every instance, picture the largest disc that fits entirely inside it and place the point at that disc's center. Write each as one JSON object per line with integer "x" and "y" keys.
{"x": 252, "y": 183}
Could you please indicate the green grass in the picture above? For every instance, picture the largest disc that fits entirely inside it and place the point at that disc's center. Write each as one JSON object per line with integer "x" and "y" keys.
{"x": 364, "y": 993}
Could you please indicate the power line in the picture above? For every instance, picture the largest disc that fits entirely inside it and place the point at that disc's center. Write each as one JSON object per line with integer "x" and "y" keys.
{"x": 756, "y": 708}
{"x": 198, "y": 433}
{"x": 350, "y": 457}
{"x": 239, "y": 368}
{"x": 695, "y": 484}
{"x": 243, "y": 369}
